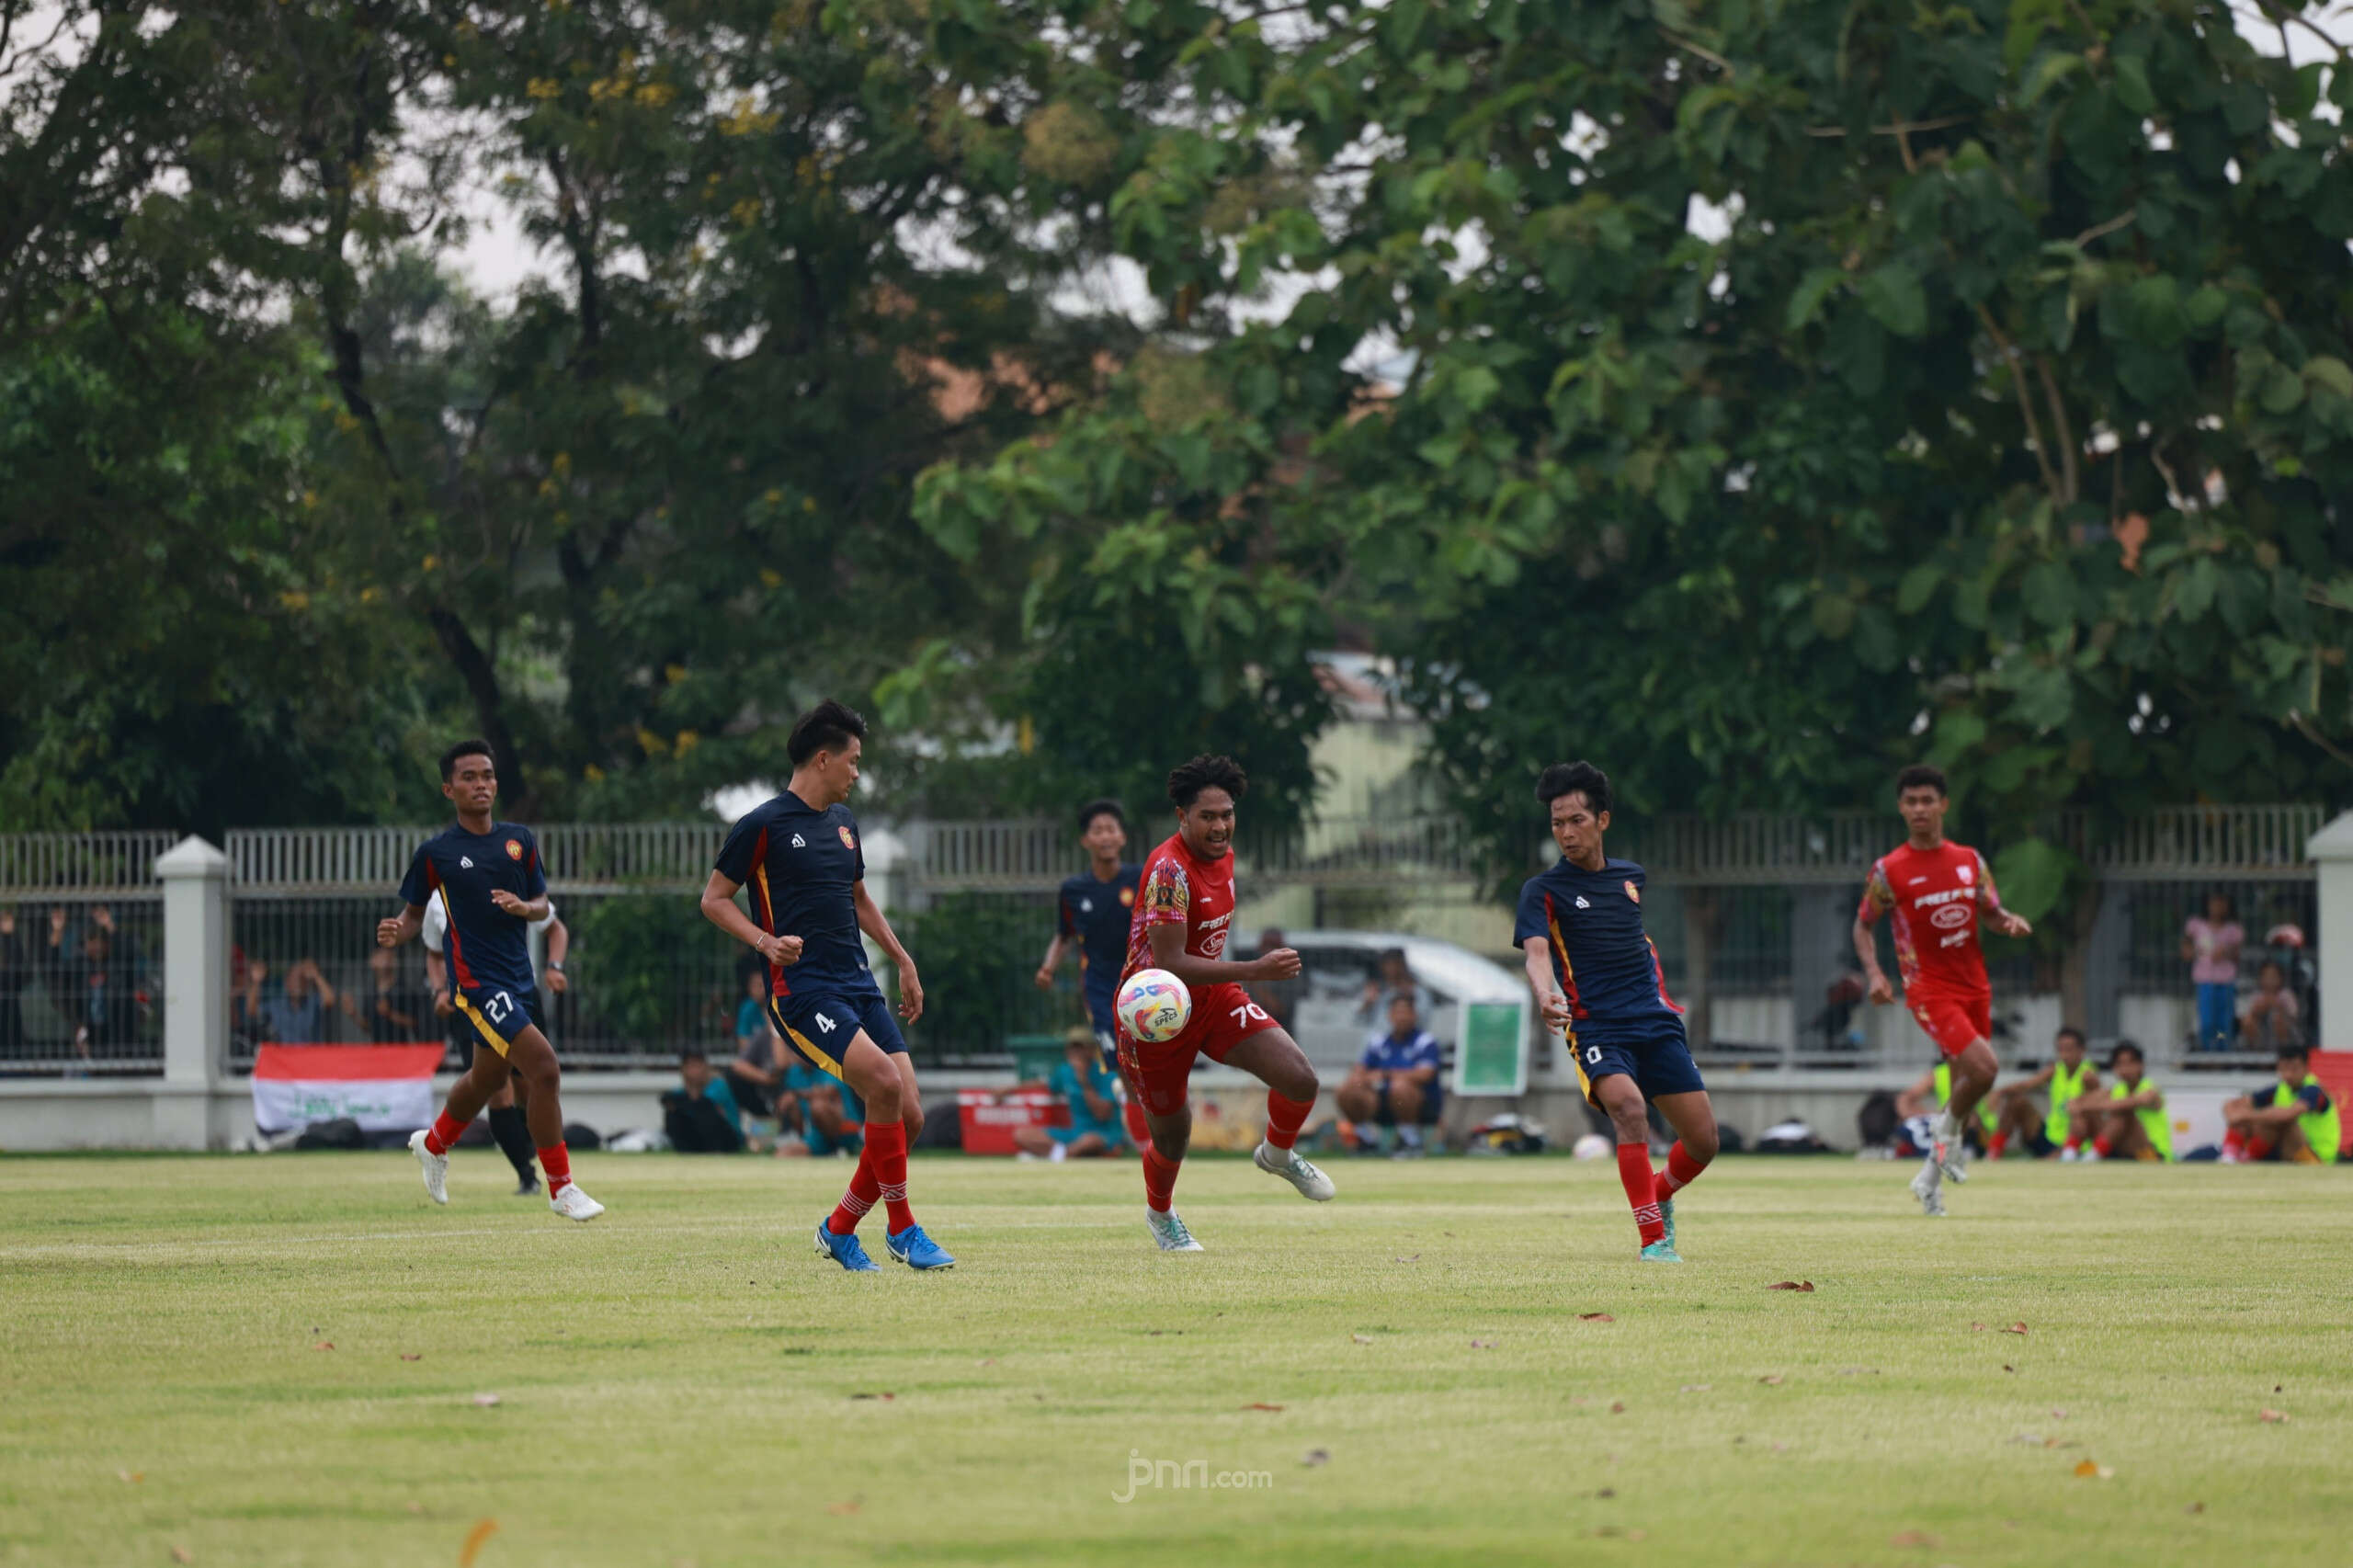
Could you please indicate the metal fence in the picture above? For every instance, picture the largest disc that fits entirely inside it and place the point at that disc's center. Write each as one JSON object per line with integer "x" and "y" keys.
{"x": 81, "y": 939}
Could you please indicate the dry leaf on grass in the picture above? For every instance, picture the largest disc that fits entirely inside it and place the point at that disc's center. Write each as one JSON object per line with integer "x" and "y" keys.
{"x": 485, "y": 1400}
{"x": 849, "y": 1507}
{"x": 1976, "y": 1328}
{"x": 484, "y": 1530}
{"x": 1617, "y": 1407}
{"x": 1791, "y": 1285}
{"x": 1314, "y": 1457}
{"x": 2275, "y": 1415}
{"x": 406, "y": 1356}
{"x": 2057, "y": 1413}
{"x": 1608, "y": 1530}
{"x": 2091, "y": 1471}
{"x": 2007, "y": 1368}
{"x": 1595, "y": 1317}
{"x": 1771, "y": 1380}
{"x": 2015, "y": 1328}
{"x": 874, "y": 1396}
{"x": 2195, "y": 1508}
{"x": 416, "y": 1507}
{"x": 1912, "y": 1538}
{"x": 1482, "y": 1344}
{"x": 1258, "y": 1405}
{"x": 324, "y": 1345}
{"x": 1361, "y": 1338}
{"x": 131, "y": 1477}
{"x": 182, "y": 1554}
{"x": 1606, "y": 1492}
{"x": 1415, "y": 1258}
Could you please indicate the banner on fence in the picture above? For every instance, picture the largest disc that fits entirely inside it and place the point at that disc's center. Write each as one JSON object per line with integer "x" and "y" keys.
{"x": 384, "y": 1088}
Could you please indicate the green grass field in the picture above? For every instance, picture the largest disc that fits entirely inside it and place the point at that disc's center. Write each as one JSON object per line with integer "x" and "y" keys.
{"x": 682, "y": 1382}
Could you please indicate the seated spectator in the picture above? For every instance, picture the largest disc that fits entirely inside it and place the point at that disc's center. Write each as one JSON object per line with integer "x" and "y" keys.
{"x": 2293, "y": 1119}
{"x": 2274, "y": 1019}
{"x": 396, "y": 1011}
{"x": 298, "y": 1014}
{"x": 1929, "y": 1094}
{"x": 1090, "y": 1089}
{"x": 1393, "y": 978}
{"x": 699, "y": 1115}
{"x": 1394, "y": 1084}
{"x": 2130, "y": 1121}
{"x": 2044, "y": 1133}
{"x": 2211, "y": 945}
{"x": 832, "y": 1117}
{"x": 755, "y": 1074}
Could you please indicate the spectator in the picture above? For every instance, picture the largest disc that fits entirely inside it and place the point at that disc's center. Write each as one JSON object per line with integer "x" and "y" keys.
{"x": 701, "y": 1115}
{"x": 2130, "y": 1121}
{"x": 298, "y": 1015}
{"x": 833, "y": 1118}
{"x": 396, "y": 1011}
{"x": 2293, "y": 1119}
{"x": 1089, "y": 1088}
{"x": 91, "y": 983}
{"x": 13, "y": 978}
{"x": 1278, "y": 997}
{"x": 2211, "y": 945}
{"x": 2274, "y": 1020}
{"x": 755, "y": 1074}
{"x": 1928, "y": 1093}
{"x": 2043, "y": 1133}
{"x": 1394, "y": 1084}
{"x": 1393, "y": 978}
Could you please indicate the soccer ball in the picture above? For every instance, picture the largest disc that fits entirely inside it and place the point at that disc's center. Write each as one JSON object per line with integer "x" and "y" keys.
{"x": 1592, "y": 1146}
{"x": 1153, "y": 1006}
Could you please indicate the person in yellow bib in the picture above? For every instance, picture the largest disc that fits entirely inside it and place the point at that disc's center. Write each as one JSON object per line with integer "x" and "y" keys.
{"x": 2129, "y": 1123}
{"x": 2067, "y": 1076}
{"x": 2293, "y": 1119}
{"x": 1928, "y": 1096}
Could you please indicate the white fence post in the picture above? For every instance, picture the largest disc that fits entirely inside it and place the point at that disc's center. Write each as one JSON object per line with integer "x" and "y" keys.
{"x": 2331, "y": 851}
{"x": 196, "y": 990}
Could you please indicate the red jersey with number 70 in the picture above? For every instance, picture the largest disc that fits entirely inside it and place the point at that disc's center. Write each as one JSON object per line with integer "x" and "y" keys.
{"x": 1935, "y": 896}
{"x": 1177, "y": 888}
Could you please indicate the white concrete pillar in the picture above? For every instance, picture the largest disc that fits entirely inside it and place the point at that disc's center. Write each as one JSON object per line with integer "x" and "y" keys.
{"x": 2331, "y": 851}
{"x": 195, "y": 991}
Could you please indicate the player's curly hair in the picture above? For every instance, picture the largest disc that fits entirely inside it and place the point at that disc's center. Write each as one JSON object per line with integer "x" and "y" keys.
{"x": 1186, "y": 781}
{"x": 1575, "y": 777}
{"x": 1923, "y": 775}
{"x": 462, "y": 749}
{"x": 829, "y": 726}
{"x": 1105, "y": 807}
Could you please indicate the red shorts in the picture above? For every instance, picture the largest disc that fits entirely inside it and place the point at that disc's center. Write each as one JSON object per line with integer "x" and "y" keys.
{"x": 1158, "y": 1076}
{"x": 1955, "y": 1023}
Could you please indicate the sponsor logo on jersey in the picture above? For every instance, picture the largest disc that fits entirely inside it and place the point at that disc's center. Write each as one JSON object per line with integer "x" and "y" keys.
{"x": 1950, "y": 915}
{"x": 849, "y": 841}
{"x": 514, "y": 849}
{"x": 1633, "y": 892}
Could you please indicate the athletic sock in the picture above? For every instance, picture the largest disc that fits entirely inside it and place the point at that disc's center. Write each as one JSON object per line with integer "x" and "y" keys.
{"x": 1681, "y": 1171}
{"x": 1159, "y": 1179}
{"x": 1284, "y": 1119}
{"x": 886, "y": 1148}
{"x": 1642, "y": 1187}
{"x": 2234, "y": 1144}
{"x": 2258, "y": 1148}
{"x": 556, "y": 1160}
{"x": 863, "y": 1194}
{"x": 2074, "y": 1142}
{"x": 2101, "y": 1147}
{"x": 1996, "y": 1144}
{"x": 443, "y": 1135}
{"x": 514, "y": 1139}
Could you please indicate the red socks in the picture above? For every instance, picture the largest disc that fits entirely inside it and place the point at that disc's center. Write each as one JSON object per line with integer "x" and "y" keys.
{"x": 863, "y": 1194}
{"x": 2075, "y": 1143}
{"x": 1159, "y": 1180}
{"x": 2258, "y": 1148}
{"x": 886, "y": 1148}
{"x": 1681, "y": 1171}
{"x": 2100, "y": 1147}
{"x": 1642, "y": 1187}
{"x": 443, "y": 1135}
{"x": 1284, "y": 1119}
{"x": 556, "y": 1161}
{"x": 1996, "y": 1144}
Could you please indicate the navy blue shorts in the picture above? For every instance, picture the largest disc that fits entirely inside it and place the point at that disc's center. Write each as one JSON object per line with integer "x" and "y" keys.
{"x": 819, "y": 1026}
{"x": 497, "y": 1015}
{"x": 1655, "y": 1053}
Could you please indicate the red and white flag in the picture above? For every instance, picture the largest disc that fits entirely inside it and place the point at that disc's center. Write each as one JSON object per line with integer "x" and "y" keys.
{"x": 384, "y": 1088}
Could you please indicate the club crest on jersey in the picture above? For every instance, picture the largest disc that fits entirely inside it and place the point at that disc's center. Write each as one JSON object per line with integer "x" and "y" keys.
{"x": 1968, "y": 874}
{"x": 514, "y": 849}
{"x": 848, "y": 840}
{"x": 1127, "y": 898}
{"x": 1633, "y": 892}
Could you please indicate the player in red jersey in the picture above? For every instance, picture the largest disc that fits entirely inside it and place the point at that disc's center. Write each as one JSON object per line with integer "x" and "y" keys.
{"x": 1938, "y": 891}
{"x": 1183, "y": 916}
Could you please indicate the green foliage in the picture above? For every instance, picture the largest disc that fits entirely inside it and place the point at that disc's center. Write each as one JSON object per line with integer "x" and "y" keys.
{"x": 976, "y": 953}
{"x": 639, "y": 964}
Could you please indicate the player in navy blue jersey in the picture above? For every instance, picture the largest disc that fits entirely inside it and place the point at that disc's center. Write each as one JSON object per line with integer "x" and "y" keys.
{"x": 486, "y": 876}
{"x": 800, "y": 855}
{"x": 1092, "y": 913}
{"x": 1596, "y": 978}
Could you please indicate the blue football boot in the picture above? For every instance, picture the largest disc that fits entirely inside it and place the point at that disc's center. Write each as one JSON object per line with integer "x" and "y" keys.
{"x": 844, "y": 1250}
{"x": 914, "y": 1249}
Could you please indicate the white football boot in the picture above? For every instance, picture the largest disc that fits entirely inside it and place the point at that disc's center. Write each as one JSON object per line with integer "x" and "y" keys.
{"x": 437, "y": 1167}
{"x": 574, "y": 1204}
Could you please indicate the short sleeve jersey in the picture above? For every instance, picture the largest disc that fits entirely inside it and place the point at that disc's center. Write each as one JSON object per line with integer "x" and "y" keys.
{"x": 1175, "y": 889}
{"x": 437, "y": 924}
{"x": 803, "y": 867}
{"x": 487, "y": 947}
{"x": 1604, "y": 960}
{"x": 1935, "y": 896}
{"x": 1096, "y": 914}
{"x": 1071, "y": 1090}
{"x": 1387, "y": 1053}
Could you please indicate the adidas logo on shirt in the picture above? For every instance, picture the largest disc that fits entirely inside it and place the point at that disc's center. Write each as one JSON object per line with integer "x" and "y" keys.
{"x": 798, "y": 842}
{"x": 1582, "y": 904}
{"x": 466, "y": 861}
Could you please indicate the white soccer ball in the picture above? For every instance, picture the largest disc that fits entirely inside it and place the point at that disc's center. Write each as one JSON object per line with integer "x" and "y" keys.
{"x": 1592, "y": 1146}
{"x": 1153, "y": 1006}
